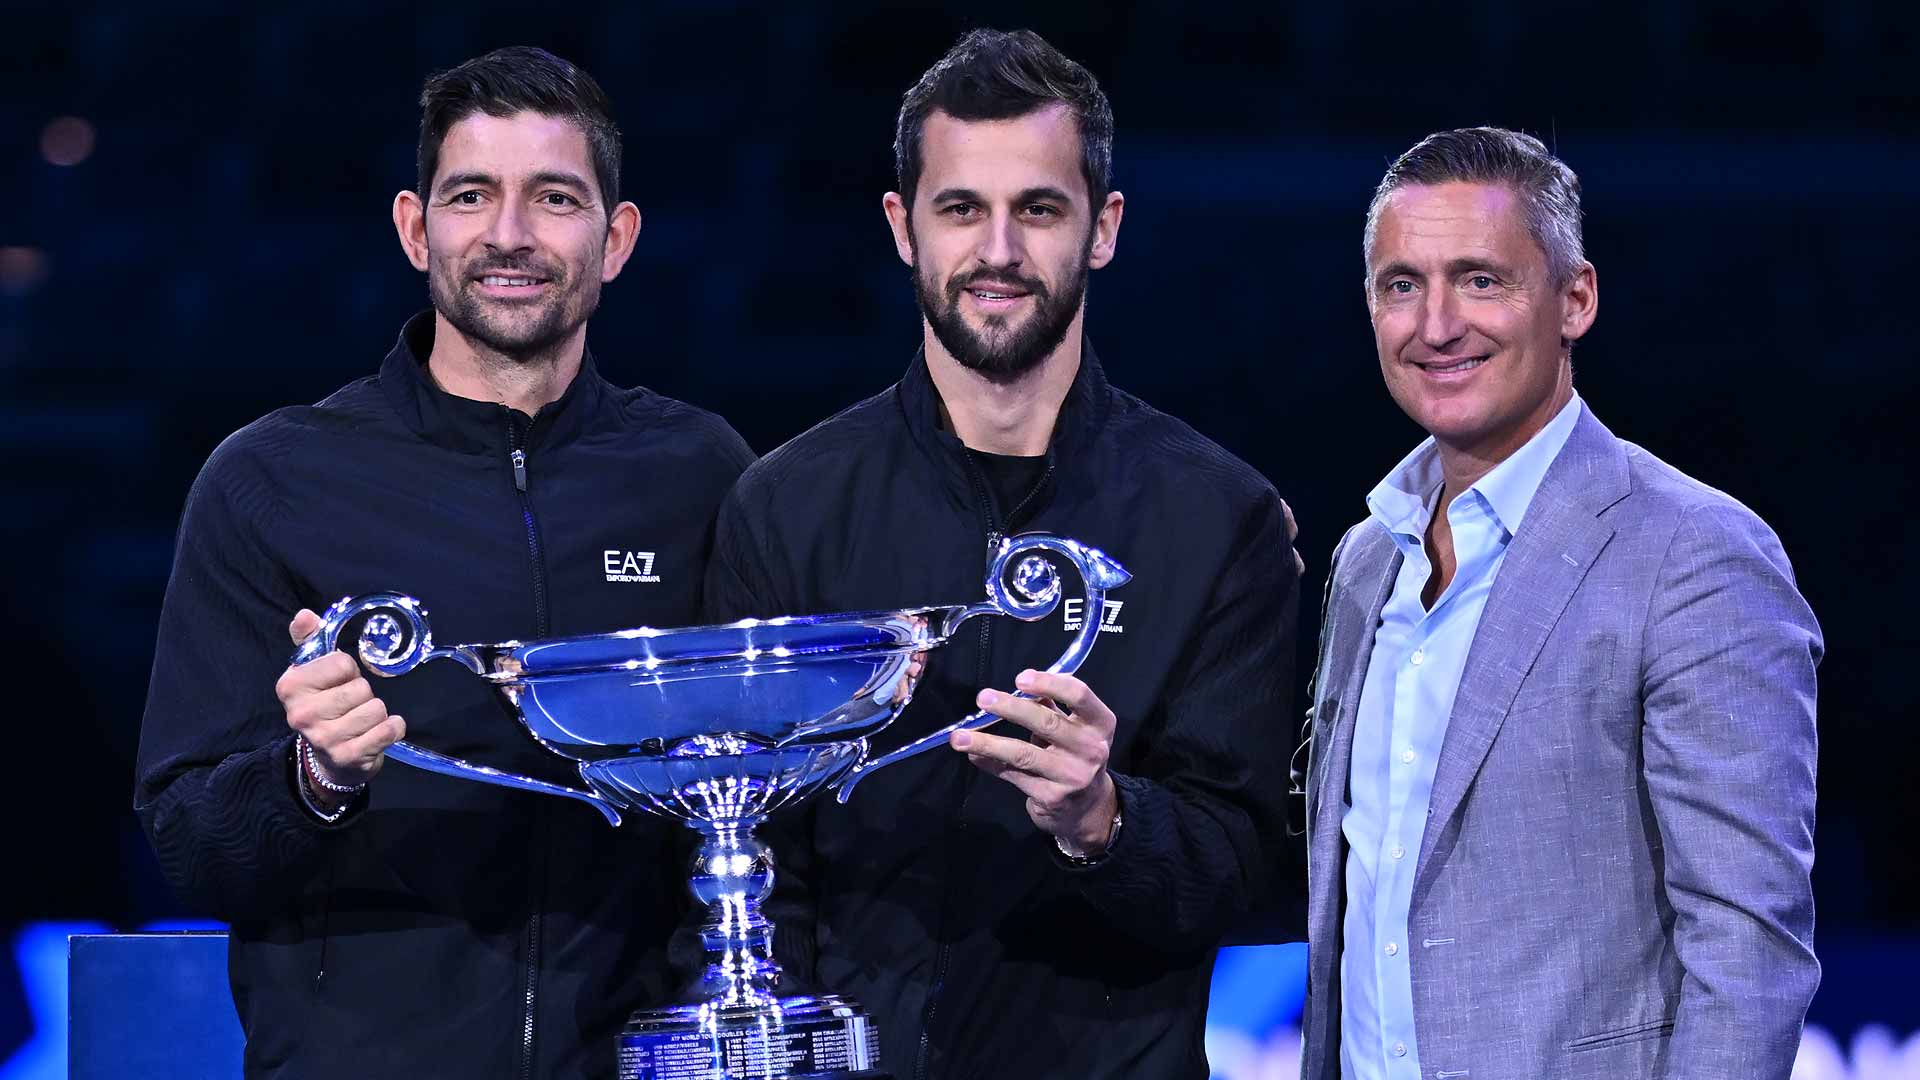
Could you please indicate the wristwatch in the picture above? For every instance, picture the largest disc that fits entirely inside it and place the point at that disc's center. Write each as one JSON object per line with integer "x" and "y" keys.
{"x": 1081, "y": 858}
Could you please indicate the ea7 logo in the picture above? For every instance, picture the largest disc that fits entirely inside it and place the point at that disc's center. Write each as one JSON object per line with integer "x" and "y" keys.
{"x": 1109, "y": 616}
{"x": 629, "y": 565}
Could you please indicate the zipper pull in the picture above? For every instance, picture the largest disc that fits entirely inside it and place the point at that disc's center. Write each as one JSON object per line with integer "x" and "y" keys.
{"x": 520, "y": 470}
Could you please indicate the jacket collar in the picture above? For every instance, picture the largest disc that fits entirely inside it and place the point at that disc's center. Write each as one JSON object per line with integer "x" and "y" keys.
{"x": 1083, "y": 414}
{"x": 477, "y": 427}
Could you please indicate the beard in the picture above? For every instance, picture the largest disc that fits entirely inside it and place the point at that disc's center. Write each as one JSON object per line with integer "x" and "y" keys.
{"x": 1002, "y": 352}
{"x": 522, "y": 331}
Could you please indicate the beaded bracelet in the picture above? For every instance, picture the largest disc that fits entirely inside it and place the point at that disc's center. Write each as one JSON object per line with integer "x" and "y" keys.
{"x": 314, "y": 775}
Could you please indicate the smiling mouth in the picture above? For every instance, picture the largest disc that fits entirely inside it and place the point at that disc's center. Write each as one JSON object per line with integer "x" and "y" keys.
{"x": 997, "y": 292}
{"x": 511, "y": 281}
{"x": 1446, "y": 366}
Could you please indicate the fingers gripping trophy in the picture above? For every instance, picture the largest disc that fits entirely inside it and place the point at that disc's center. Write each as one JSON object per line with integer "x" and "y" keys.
{"x": 720, "y": 726}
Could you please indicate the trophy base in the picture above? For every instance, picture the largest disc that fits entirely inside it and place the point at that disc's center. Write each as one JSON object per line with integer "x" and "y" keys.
{"x": 810, "y": 1038}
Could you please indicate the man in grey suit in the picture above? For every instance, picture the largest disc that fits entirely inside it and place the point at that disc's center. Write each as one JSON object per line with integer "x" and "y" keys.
{"x": 1560, "y": 799}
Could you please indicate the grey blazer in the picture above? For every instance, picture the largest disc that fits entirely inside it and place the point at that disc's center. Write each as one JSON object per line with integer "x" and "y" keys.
{"x": 1613, "y": 881}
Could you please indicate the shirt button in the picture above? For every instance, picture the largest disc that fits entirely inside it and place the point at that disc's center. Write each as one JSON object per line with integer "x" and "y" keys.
{"x": 1419, "y": 657}
{"x": 1399, "y": 1049}
{"x": 1398, "y": 851}
{"x": 1393, "y": 949}
{"x": 1406, "y": 757}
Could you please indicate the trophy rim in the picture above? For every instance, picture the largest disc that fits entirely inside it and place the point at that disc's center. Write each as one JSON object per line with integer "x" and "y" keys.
{"x": 500, "y": 662}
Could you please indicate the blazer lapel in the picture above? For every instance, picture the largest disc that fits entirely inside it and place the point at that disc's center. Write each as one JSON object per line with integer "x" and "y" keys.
{"x": 1364, "y": 578}
{"x": 1368, "y": 579}
{"x": 1549, "y": 556}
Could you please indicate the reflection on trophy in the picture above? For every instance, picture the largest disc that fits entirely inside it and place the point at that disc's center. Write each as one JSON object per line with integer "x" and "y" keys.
{"x": 719, "y": 726}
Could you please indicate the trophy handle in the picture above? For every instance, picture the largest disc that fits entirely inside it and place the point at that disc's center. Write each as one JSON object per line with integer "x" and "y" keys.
{"x": 396, "y": 639}
{"x": 1034, "y": 594}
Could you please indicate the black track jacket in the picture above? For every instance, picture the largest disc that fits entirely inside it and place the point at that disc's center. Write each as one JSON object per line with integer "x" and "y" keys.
{"x": 940, "y": 906}
{"x": 444, "y": 927}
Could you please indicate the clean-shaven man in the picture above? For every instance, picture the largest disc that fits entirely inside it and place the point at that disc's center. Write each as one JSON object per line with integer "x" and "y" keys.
{"x": 1561, "y": 792}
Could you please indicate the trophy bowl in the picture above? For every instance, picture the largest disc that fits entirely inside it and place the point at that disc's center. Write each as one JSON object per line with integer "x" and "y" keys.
{"x": 720, "y": 726}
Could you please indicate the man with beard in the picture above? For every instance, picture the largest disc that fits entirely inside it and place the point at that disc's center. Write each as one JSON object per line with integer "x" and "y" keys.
{"x": 391, "y": 922}
{"x": 1052, "y": 908}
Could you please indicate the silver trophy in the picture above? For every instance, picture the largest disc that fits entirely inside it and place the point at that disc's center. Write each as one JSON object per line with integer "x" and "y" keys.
{"x": 720, "y": 726}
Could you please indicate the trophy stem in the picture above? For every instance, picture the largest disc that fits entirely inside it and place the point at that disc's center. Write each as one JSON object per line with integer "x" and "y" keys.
{"x": 733, "y": 876}
{"x": 734, "y": 1024}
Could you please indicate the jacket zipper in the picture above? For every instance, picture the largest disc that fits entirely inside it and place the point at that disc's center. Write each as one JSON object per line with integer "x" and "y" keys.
{"x": 1016, "y": 515}
{"x": 516, "y": 442}
{"x": 326, "y": 916}
{"x": 994, "y": 533}
{"x": 517, "y": 454}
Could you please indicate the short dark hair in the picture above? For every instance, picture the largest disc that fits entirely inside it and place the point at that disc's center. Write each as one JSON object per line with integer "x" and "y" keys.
{"x": 515, "y": 79}
{"x": 997, "y": 75}
{"x": 1548, "y": 189}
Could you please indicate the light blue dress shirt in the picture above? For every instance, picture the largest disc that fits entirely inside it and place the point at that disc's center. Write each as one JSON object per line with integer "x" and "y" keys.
{"x": 1414, "y": 672}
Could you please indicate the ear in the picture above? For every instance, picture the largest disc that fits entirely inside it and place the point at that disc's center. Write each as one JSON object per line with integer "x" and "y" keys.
{"x": 1579, "y": 303}
{"x": 410, "y": 221}
{"x": 623, "y": 229}
{"x": 1106, "y": 230}
{"x": 896, "y": 210}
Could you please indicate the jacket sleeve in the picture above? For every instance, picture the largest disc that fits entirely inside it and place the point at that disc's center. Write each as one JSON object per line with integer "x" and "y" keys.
{"x": 214, "y": 785}
{"x": 1204, "y": 833}
{"x": 739, "y": 582}
{"x": 1730, "y": 754}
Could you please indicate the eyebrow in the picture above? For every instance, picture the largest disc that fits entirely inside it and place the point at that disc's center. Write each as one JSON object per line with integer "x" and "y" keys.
{"x": 1454, "y": 268}
{"x": 1044, "y": 193}
{"x": 562, "y": 179}
{"x": 466, "y": 179}
{"x": 545, "y": 176}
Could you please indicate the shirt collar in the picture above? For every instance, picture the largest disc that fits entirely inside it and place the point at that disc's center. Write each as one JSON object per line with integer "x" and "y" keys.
{"x": 1400, "y": 501}
{"x": 1403, "y": 499}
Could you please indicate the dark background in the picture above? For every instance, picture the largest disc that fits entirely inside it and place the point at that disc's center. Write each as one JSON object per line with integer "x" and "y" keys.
{"x": 1750, "y": 177}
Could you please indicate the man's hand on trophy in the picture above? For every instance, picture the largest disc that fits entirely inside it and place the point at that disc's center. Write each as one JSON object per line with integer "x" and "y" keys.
{"x": 1063, "y": 771}
{"x": 330, "y": 704}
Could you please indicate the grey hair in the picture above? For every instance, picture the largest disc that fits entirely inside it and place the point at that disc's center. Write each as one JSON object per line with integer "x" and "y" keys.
{"x": 1549, "y": 191}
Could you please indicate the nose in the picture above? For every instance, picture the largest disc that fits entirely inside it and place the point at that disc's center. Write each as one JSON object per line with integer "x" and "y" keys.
{"x": 1002, "y": 244}
{"x": 508, "y": 230}
{"x": 1441, "y": 323}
